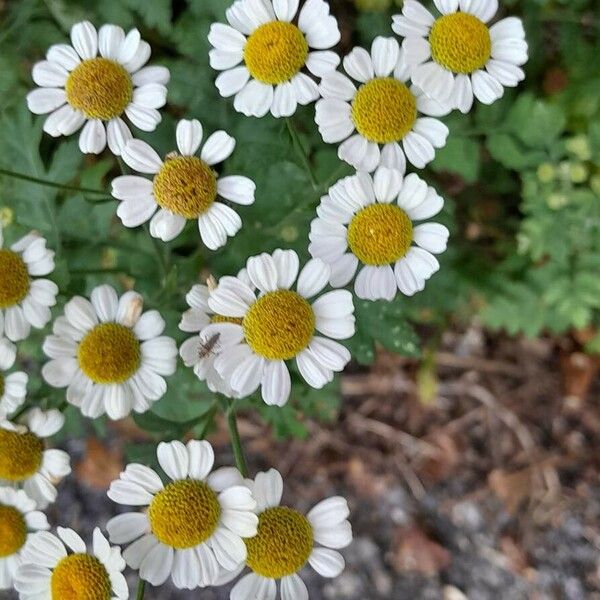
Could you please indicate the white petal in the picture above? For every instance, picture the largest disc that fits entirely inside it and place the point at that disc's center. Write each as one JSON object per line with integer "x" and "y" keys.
{"x": 284, "y": 100}
{"x": 174, "y": 459}
{"x": 385, "y": 53}
{"x": 92, "y": 139}
{"x": 293, "y": 588}
{"x": 276, "y": 383}
{"x": 44, "y": 100}
{"x": 326, "y": 562}
{"x": 486, "y": 88}
{"x": 432, "y": 237}
{"x": 217, "y": 148}
{"x": 230, "y": 82}
{"x": 255, "y": 99}
{"x": 262, "y": 271}
{"x": 144, "y": 118}
{"x": 117, "y": 135}
{"x": 313, "y": 278}
{"x": 141, "y": 157}
{"x": 85, "y": 39}
{"x": 201, "y": 459}
{"x": 49, "y": 74}
{"x": 359, "y": 66}
{"x": 189, "y": 136}
{"x": 110, "y": 38}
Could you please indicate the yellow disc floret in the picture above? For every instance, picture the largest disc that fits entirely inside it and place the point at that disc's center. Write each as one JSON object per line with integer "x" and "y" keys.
{"x": 109, "y": 353}
{"x": 279, "y": 325}
{"x": 20, "y": 455}
{"x": 184, "y": 514}
{"x": 13, "y": 530}
{"x": 275, "y": 52}
{"x": 384, "y": 110}
{"x": 100, "y": 88}
{"x": 380, "y": 234}
{"x": 186, "y": 186}
{"x": 80, "y": 577}
{"x": 222, "y": 319}
{"x": 14, "y": 278}
{"x": 283, "y": 543}
{"x": 460, "y": 42}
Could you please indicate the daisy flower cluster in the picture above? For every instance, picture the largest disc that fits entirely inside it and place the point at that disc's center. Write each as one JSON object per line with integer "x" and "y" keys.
{"x": 279, "y": 322}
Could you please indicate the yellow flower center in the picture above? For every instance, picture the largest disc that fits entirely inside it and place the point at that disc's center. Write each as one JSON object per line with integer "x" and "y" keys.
{"x": 14, "y": 278}
{"x": 275, "y": 52}
{"x": 460, "y": 42}
{"x": 100, "y": 88}
{"x": 80, "y": 577}
{"x": 109, "y": 353}
{"x": 384, "y": 110}
{"x": 20, "y": 455}
{"x": 13, "y": 531}
{"x": 184, "y": 514}
{"x": 279, "y": 325}
{"x": 186, "y": 186}
{"x": 380, "y": 234}
{"x": 222, "y": 319}
{"x": 283, "y": 543}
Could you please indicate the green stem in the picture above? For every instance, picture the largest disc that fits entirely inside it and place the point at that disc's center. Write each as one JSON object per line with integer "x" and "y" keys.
{"x": 236, "y": 442}
{"x": 52, "y": 184}
{"x": 297, "y": 143}
{"x": 141, "y": 589}
{"x": 158, "y": 250}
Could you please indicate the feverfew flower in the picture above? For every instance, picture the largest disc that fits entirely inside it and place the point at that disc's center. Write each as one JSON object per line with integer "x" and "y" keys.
{"x": 185, "y": 187}
{"x": 370, "y": 220}
{"x": 275, "y": 50}
{"x": 19, "y": 518}
{"x": 24, "y": 459}
{"x": 61, "y": 568}
{"x": 379, "y": 122}
{"x": 280, "y": 324}
{"x": 111, "y": 357}
{"x": 198, "y": 351}
{"x": 457, "y": 55}
{"x": 25, "y": 299}
{"x": 95, "y": 81}
{"x": 287, "y": 540}
{"x": 192, "y": 527}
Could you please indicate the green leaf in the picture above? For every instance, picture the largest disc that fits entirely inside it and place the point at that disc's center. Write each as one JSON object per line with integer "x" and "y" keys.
{"x": 460, "y": 156}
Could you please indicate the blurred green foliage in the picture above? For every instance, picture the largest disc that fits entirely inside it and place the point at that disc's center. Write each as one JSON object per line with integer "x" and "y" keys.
{"x": 521, "y": 178}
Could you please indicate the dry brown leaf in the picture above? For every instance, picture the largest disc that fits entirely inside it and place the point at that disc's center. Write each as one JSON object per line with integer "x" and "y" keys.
{"x": 512, "y": 488}
{"x": 100, "y": 465}
{"x": 579, "y": 371}
{"x": 415, "y": 551}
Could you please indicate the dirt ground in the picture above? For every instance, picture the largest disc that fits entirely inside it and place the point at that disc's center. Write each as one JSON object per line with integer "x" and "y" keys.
{"x": 476, "y": 477}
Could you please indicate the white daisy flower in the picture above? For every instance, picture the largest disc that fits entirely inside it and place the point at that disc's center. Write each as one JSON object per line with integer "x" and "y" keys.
{"x": 198, "y": 351}
{"x": 19, "y": 518}
{"x": 111, "y": 358}
{"x": 61, "y": 568}
{"x": 192, "y": 527}
{"x": 184, "y": 187}
{"x": 275, "y": 52}
{"x": 24, "y": 459}
{"x": 380, "y": 120}
{"x": 287, "y": 540}
{"x": 280, "y": 325}
{"x": 95, "y": 81}
{"x": 369, "y": 220}
{"x": 458, "y": 55}
{"x": 25, "y": 299}
{"x": 13, "y": 389}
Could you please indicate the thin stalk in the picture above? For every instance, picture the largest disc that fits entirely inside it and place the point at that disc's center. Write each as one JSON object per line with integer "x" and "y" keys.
{"x": 301, "y": 153}
{"x": 141, "y": 589}
{"x": 236, "y": 442}
{"x": 52, "y": 184}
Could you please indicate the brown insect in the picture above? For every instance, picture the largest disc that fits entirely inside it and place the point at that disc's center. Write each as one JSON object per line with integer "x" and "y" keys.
{"x": 208, "y": 347}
